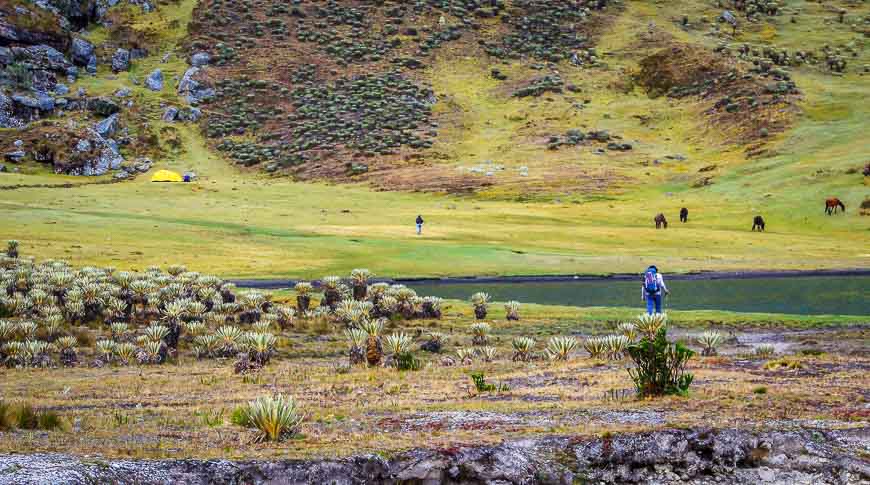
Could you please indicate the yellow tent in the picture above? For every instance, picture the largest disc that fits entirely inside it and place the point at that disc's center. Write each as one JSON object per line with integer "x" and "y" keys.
{"x": 166, "y": 176}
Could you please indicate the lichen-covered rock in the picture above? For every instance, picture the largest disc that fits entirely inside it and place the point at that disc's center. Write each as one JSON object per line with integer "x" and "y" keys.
{"x": 154, "y": 81}
{"x": 108, "y": 126}
{"x": 82, "y": 52}
{"x": 200, "y": 59}
{"x": 121, "y": 60}
{"x": 170, "y": 114}
{"x": 103, "y": 106}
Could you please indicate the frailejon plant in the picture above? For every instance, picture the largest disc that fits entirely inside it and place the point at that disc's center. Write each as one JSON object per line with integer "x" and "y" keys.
{"x": 487, "y": 353}
{"x": 465, "y": 356}
{"x": 629, "y": 330}
{"x": 512, "y": 310}
{"x": 596, "y": 346}
{"x": 764, "y": 351}
{"x": 660, "y": 366}
{"x": 303, "y": 296}
{"x": 523, "y": 349}
{"x": 374, "y": 349}
{"x": 357, "y": 339}
{"x": 276, "y": 418}
{"x": 710, "y": 340}
{"x": 480, "y": 301}
{"x": 480, "y": 333}
{"x": 560, "y": 348}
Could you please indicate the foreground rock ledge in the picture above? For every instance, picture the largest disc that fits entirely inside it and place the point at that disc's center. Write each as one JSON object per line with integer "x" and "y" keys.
{"x": 667, "y": 457}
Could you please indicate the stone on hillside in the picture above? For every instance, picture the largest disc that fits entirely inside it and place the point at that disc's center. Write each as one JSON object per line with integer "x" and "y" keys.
{"x": 7, "y": 117}
{"x": 16, "y": 156}
{"x": 61, "y": 89}
{"x": 123, "y": 92}
{"x": 200, "y": 59}
{"x": 83, "y": 146}
{"x": 39, "y": 101}
{"x": 6, "y": 56}
{"x": 195, "y": 91}
{"x": 103, "y": 106}
{"x": 121, "y": 60}
{"x": 154, "y": 81}
{"x": 170, "y": 114}
{"x": 108, "y": 126}
{"x": 81, "y": 51}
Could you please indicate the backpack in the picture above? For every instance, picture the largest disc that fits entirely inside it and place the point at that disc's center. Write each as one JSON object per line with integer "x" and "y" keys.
{"x": 650, "y": 282}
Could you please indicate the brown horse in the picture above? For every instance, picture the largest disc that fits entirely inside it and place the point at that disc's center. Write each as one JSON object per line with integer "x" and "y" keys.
{"x": 758, "y": 222}
{"x": 832, "y": 204}
{"x": 661, "y": 222}
{"x": 684, "y": 215}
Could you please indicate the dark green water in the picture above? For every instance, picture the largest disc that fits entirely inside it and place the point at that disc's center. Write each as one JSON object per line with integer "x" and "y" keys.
{"x": 811, "y": 295}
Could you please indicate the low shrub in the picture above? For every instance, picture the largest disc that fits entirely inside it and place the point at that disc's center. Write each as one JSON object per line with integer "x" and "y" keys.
{"x": 660, "y": 366}
{"x": 481, "y": 385}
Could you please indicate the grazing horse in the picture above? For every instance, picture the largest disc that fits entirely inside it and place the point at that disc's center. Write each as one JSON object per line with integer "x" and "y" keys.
{"x": 661, "y": 222}
{"x": 832, "y": 204}
{"x": 759, "y": 223}
{"x": 684, "y": 215}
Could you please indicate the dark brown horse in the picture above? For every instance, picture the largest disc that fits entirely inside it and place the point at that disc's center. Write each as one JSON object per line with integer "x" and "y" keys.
{"x": 661, "y": 222}
{"x": 684, "y": 215}
{"x": 758, "y": 222}
{"x": 832, "y": 204}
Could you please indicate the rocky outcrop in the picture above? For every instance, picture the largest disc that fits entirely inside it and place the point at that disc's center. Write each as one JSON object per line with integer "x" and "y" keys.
{"x": 195, "y": 91}
{"x": 662, "y": 457}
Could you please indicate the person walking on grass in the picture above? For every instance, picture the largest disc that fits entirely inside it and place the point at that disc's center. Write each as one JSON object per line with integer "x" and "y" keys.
{"x": 653, "y": 290}
{"x": 419, "y": 225}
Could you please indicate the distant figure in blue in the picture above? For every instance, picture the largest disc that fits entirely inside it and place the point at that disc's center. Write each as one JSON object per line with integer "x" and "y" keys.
{"x": 419, "y": 222}
{"x": 651, "y": 291}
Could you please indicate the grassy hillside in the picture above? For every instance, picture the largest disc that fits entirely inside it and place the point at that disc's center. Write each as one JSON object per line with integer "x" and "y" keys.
{"x": 576, "y": 209}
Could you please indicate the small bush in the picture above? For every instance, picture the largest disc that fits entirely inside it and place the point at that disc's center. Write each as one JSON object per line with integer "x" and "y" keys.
{"x": 480, "y": 383}
{"x": 660, "y": 366}
{"x": 407, "y": 361}
{"x": 759, "y": 390}
{"x": 24, "y": 416}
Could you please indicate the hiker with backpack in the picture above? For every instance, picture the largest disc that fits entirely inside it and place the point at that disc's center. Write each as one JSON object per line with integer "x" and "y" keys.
{"x": 651, "y": 291}
{"x": 419, "y": 222}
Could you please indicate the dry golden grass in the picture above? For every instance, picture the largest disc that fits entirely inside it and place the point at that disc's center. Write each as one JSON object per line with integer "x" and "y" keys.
{"x": 183, "y": 409}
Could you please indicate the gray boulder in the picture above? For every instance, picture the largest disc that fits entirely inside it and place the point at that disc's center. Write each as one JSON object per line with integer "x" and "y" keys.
{"x": 61, "y": 89}
{"x": 108, "y": 126}
{"x": 200, "y": 59}
{"x": 170, "y": 114}
{"x": 83, "y": 146}
{"x": 190, "y": 114}
{"x": 82, "y": 51}
{"x": 123, "y": 92}
{"x": 195, "y": 91}
{"x": 16, "y": 156}
{"x": 91, "y": 68}
{"x": 39, "y": 101}
{"x": 121, "y": 60}
{"x": 103, "y": 106}
{"x": 154, "y": 81}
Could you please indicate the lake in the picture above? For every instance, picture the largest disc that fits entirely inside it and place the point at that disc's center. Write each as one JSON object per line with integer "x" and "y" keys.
{"x": 809, "y": 295}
